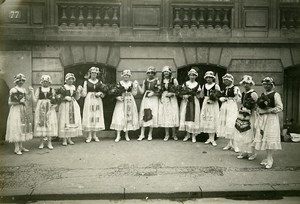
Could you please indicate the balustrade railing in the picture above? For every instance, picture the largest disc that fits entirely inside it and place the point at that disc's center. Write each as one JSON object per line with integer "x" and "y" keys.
{"x": 202, "y": 17}
{"x": 85, "y": 15}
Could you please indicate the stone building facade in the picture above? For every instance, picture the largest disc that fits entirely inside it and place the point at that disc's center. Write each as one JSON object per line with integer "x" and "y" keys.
{"x": 256, "y": 37}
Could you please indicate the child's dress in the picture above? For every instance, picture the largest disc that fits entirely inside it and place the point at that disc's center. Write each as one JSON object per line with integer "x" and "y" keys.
{"x": 168, "y": 113}
{"x": 190, "y": 113}
{"x": 149, "y": 105}
{"x": 45, "y": 124}
{"x": 228, "y": 112}
{"x": 244, "y": 137}
{"x": 267, "y": 135}
{"x": 125, "y": 116}
{"x": 210, "y": 110}
{"x": 93, "y": 118}
{"x": 69, "y": 114}
{"x": 19, "y": 125}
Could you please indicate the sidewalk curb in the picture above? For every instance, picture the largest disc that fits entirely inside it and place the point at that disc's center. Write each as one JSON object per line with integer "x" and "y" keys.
{"x": 154, "y": 195}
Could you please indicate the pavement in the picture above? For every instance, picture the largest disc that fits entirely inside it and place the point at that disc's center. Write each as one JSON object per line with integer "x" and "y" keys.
{"x": 143, "y": 170}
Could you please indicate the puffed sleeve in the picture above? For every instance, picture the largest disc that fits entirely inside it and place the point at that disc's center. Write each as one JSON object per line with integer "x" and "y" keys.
{"x": 278, "y": 104}
{"x": 218, "y": 87}
{"x": 84, "y": 90}
{"x": 254, "y": 96}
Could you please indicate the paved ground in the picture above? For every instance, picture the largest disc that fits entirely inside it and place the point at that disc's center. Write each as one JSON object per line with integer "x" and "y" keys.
{"x": 143, "y": 170}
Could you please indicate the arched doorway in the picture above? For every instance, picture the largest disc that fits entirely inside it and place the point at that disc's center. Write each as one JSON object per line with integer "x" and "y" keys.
{"x": 292, "y": 97}
{"x": 107, "y": 75}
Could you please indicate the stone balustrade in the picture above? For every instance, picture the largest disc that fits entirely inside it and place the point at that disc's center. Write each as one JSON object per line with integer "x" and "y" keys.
{"x": 202, "y": 17}
{"x": 95, "y": 15}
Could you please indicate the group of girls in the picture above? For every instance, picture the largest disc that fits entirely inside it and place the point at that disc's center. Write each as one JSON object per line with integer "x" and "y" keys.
{"x": 247, "y": 128}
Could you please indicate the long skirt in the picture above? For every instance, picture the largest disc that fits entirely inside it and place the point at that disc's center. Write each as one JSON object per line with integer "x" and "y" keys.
{"x": 149, "y": 112}
{"x": 190, "y": 116}
{"x": 267, "y": 134}
{"x": 19, "y": 125}
{"x": 244, "y": 140}
{"x": 69, "y": 119}
{"x": 125, "y": 116}
{"x": 93, "y": 118}
{"x": 168, "y": 111}
{"x": 209, "y": 116}
{"x": 45, "y": 123}
{"x": 227, "y": 118}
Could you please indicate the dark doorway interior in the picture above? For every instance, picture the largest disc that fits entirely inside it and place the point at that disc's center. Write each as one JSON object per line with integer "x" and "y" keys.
{"x": 107, "y": 75}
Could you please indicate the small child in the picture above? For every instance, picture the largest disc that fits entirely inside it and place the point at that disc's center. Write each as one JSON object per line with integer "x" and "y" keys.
{"x": 228, "y": 112}
{"x": 125, "y": 116}
{"x": 267, "y": 136}
{"x": 69, "y": 111}
{"x": 168, "y": 106}
{"x": 19, "y": 126}
{"x": 244, "y": 133}
{"x": 93, "y": 117}
{"x": 149, "y": 107}
{"x": 190, "y": 107}
{"x": 45, "y": 124}
{"x": 210, "y": 108}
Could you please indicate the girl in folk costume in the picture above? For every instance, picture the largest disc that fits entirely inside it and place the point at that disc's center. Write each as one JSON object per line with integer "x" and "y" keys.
{"x": 93, "y": 119}
{"x": 19, "y": 126}
{"x": 149, "y": 107}
{"x": 244, "y": 132}
{"x": 228, "y": 111}
{"x": 125, "y": 116}
{"x": 69, "y": 111}
{"x": 168, "y": 106}
{"x": 210, "y": 108}
{"x": 190, "y": 107}
{"x": 267, "y": 136}
{"x": 45, "y": 124}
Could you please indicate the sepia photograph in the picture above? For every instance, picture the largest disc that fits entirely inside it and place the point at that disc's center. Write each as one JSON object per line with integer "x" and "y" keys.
{"x": 150, "y": 101}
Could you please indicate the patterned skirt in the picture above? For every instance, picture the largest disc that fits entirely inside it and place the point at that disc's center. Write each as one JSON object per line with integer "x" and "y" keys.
{"x": 227, "y": 118}
{"x": 168, "y": 111}
{"x": 209, "y": 116}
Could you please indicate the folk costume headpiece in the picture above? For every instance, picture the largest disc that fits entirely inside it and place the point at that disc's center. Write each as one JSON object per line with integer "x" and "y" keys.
{"x": 70, "y": 76}
{"x": 209, "y": 74}
{"x": 193, "y": 72}
{"x": 19, "y": 77}
{"x": 45, "y": 78}
{"x": 248, "y": 80}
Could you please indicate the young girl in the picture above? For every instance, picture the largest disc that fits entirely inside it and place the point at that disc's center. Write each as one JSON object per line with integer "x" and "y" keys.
{"x": 125, "y": 116}
{"x": 45, "y": 124}
{"x": 190, "y": 107}
{"x": 168, "y": 106}
{"x": 93, "y": 119}
{"x": 244, "y": 133}
{"x": 228, "y": 112}
{"x": 69, "y": 111}
{"x": 210, "y": 108}
{"x": 19, "y": 126}
{"x": 149, "y": 105}
{"x": 267, "y": 135}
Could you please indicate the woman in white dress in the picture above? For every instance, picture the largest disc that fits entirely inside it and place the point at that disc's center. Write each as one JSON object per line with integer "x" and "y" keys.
{"x": 168, "y": 110}
{"x": 69, "y": 117}
{"x": 125, "y": 117}
{"x": 19, "y": 125}
{"x": 149, "y": 107}
{"x": 93, "y": 117}
{"x": 228, "y": 112}
{"x": 210, "y": 108}
{"x": 190, "y": 107}
{"x": 45, "y": 124}
{"x": 244, "y": 132}
{"x": 267, "y": 136}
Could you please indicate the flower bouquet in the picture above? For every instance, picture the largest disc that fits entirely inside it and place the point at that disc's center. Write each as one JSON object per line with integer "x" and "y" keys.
{"x": 17, "y": 97}
{"x": 249, "y": 103}
{"x": 214, "y": 96}
{"x": 263, "y": 102}
{"x": 104, "y": 88}
{"x": 60, "y": 93}
{"x": 115, "y": 90}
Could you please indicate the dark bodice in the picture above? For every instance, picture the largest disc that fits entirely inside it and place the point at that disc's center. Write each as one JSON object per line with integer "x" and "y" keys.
{"x": 272, "y": 99}
{"x": 246, "y": 96}
{"x": 93, "y": 87}
{"x": 166, "y": 86}
{"x": 193, "y": 90}
{"x": 129, "y": 89}
{"x": 229, "y": 92}
{"x": 45, "y": 95}
{"x": 151, "y": 85}
{"x": 207, "y": 91}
